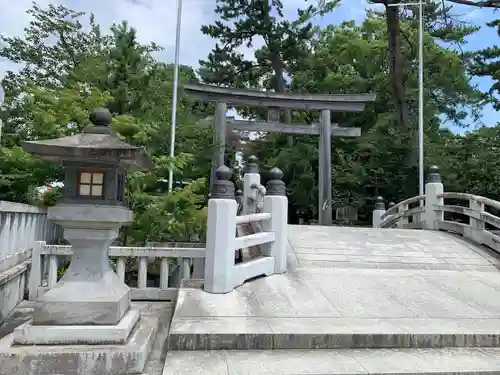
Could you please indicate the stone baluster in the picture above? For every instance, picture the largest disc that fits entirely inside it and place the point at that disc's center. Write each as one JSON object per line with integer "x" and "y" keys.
{"x": 403, "y": 220}
{"x": 35, "y": 280}
{"x": 120, "y": 267}
{"x": 186, "y": 268}
{"x": 378, "y": 212}
{"x": 476, "y": 225}
{"x": 142, "y": 274}
{"x": 433, "y": 188}
{"x": 276, "y": 203}
{"x": 53, "y": 264}
{"x": 164, "y": 268}
{"x": 221, "y": 230}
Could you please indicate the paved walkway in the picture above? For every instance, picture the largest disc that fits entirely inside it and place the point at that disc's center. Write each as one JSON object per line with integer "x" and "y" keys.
{"x": 345, "y": 247}
{"x": 349, "y": 291}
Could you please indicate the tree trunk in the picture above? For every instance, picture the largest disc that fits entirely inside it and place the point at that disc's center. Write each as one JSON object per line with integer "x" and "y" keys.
{"x": 277, "y": 65}
{"x": 397, "y": 78}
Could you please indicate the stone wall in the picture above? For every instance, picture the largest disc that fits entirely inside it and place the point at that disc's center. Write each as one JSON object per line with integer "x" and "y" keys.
{"x": 21, "y": 225}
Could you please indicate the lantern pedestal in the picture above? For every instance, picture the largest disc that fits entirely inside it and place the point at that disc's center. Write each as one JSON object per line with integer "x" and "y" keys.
{"x": 90, "y": 292}
{"x": 90, "y": 304}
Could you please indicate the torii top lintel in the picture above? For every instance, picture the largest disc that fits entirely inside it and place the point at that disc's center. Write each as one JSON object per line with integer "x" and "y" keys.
{"x": 234, "y": 96}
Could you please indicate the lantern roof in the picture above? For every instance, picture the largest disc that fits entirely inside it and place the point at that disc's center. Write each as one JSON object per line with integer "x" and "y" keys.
{"x": 97, "y": 144}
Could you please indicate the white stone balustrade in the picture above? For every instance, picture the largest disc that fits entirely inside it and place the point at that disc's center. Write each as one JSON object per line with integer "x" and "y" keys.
{"x": 222, "y": 275}
{"x": 480, "y": 224}
{"x": 21, "y": 225}
{"x": 170, "y": 258}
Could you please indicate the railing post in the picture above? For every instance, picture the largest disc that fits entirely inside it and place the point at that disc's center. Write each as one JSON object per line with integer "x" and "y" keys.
{"x": 221, "y": 232}
{"x": 476, "y": 225}
{"x": 433, "y": 187}
{"x": 250, "y": 178}
{"x": 403, "y": 221}
{"x": 276, "y": 203}
{"x": 378, "y": 212}
{"x": 35, "y": 280}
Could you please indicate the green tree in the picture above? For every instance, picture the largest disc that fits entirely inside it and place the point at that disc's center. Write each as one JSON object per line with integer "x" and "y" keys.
{"x": 352, "y": 58}
{"x": 486, "y": 63}
{"x": 241, "y": 24}
{"x": 80, "y": 69}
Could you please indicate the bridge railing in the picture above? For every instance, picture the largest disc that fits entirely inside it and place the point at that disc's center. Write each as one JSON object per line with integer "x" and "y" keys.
{"x": 21, "y": 225}
{"x": 176, "y": 259}
{"x": 429, "y": 211}
{"x": 222, "y": 274}
{"x": 407, "y": 213}
{"x": 481, "y": 226}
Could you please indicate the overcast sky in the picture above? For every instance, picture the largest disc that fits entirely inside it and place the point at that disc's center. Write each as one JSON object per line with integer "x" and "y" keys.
{"x": 155, "y": 21}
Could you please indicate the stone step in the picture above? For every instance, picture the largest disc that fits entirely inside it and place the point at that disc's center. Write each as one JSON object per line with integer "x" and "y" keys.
{"x": 330, "y": 333}
{"x": 335, "y": 362}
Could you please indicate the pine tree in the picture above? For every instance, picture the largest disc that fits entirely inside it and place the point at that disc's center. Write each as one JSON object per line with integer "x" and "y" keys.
{"x": 128, "y": 69}
{"x": 487, "y": 64}
{"x": 241, "y": 24}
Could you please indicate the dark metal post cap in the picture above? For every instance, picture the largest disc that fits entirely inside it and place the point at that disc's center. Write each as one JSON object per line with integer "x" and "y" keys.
{"x": 252, "y": 165}
{"x": 379, "y": 203}
{"x": 222, "y": 188}
{"x": 275, "y": 185}
{"x": 434, "y": 175}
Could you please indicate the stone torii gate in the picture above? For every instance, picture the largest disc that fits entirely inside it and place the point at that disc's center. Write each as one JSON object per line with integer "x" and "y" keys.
{"x": 275, "y": 102}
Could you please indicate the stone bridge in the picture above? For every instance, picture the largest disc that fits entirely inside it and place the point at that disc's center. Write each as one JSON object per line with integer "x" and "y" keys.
{"x": 417, "y": 294}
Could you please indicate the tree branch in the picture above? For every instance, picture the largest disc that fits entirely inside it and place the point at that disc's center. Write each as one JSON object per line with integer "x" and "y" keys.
{"x": 479, "y": 4}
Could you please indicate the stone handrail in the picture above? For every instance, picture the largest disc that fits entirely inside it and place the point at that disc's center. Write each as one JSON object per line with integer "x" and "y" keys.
{"x": 253, "y": 218}
{"x": 431, "y": 215}
{"x": 475, "y": 230}
{"x": 403, "y": 217}
{"x": 165, "y": 291}
{"x": 397, "y": 207}
{"x": 255, "y": 239}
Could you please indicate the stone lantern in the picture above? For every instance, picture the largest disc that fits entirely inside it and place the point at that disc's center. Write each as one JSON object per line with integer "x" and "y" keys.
{"x": 91, "y": 212}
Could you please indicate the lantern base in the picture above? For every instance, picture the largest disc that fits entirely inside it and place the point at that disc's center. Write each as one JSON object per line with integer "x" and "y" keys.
{"x": 80, "y": 357}
{"x": 29, "y": 334}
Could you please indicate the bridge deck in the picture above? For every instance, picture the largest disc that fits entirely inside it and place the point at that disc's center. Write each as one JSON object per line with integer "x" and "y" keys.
{"x": 348, "y": 288}
{"x": 345, "y": 247}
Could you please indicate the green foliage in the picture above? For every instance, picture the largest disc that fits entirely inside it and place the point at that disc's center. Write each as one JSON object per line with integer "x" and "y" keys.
{"x": 50, "y": 197}
{"x": 21, "y": 173}
{"x": 350, "y": 58}
{"x": 69, "y": 68}
{"x": 486, "y": 63}
{"x": 240, "y": 23}
{"x": 177, "y": 216}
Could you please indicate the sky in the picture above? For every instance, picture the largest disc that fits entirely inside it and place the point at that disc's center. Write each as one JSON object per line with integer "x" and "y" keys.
{"x": 155, "y": 21}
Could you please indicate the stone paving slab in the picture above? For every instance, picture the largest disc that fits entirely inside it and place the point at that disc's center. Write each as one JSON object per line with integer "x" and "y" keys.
{"x": 339, "y": 308}
{"x": 335, "y": 362}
